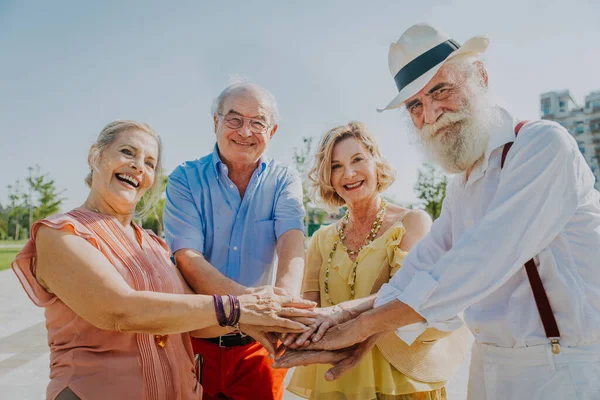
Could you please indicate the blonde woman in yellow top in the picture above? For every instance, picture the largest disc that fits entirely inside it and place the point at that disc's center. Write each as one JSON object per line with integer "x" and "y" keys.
{"x": 346, "y": 259}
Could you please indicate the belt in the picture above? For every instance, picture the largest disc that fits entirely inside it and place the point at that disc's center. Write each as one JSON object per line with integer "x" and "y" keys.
{"x": 231, "y": 340}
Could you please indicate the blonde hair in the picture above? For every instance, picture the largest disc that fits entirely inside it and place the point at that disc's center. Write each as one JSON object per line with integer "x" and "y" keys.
{"x": 319, "y": 176}
{"x": 108, "y": 136}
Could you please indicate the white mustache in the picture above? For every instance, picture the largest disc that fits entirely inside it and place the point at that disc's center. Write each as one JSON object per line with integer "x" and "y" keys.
{"x": 447, "y": 119}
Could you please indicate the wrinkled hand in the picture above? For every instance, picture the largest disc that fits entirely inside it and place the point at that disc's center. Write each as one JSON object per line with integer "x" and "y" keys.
{"x": 280, "y": 313}
{"x": 342, "y": 360}
{"x": 339, "y": 337}
{"x": 325, "y": 319}
{"x": 269, "y": 340}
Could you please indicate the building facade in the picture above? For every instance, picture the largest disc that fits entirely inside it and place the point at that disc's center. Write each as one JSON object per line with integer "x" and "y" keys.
{"x": 582, "y": 122}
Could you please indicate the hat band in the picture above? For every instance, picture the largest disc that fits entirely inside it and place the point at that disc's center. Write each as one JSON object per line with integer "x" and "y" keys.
{"x": 424, "y": 63}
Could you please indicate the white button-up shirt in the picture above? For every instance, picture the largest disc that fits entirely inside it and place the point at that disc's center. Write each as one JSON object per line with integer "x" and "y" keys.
{"x": 541, "y": 205}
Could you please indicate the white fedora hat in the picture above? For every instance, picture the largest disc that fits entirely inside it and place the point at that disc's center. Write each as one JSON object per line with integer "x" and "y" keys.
{"x": 419, "y": 53}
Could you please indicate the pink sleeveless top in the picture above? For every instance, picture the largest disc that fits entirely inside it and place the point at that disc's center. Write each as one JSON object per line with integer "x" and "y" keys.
{"x": 99, "y": 364}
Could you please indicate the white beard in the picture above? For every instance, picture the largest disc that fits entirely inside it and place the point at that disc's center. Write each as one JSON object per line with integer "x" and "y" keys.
{"x": 461, "y": 137}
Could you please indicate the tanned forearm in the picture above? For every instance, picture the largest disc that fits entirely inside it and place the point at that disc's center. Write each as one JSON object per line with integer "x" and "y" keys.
{"x": 290, "y": 269}
{"x": 161, "y": 313}
{"x": 202, "y": 277}
{"x": 387, "y": 318}
{"x": 353, "y": 308}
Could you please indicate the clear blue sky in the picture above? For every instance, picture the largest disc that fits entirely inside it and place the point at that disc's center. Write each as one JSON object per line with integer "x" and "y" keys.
{"x": 69, "y": 67}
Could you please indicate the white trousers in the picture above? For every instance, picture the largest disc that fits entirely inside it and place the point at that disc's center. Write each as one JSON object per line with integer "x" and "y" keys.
{"x": 534, "y": 373}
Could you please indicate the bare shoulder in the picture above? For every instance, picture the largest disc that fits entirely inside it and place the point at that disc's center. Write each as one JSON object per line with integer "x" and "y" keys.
{"x": 49, "y": 240}
{"x": 417, "y": 224}
{"x": 415, "y": 219}
{"x": 50, "y": 243}
{"x": 411, "y": 218}
{"x": 56, "y": 239}
{"x": 394, "y": 212}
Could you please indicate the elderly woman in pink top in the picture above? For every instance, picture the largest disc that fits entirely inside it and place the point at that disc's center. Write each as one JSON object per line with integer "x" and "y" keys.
{"x": 117, "y": 309}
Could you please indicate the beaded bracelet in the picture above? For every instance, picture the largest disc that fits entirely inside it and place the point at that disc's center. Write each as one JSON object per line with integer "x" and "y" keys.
{"x": 220, "y": 310}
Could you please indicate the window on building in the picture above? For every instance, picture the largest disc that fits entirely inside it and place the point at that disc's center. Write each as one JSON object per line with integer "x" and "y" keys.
{"x": 545, "y": 107}
{"x": 579, "y": 127}
{"x": 562, "y": 106}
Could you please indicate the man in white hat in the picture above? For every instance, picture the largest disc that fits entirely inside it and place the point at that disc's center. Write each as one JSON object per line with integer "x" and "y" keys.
{"x": 516, "y": 248}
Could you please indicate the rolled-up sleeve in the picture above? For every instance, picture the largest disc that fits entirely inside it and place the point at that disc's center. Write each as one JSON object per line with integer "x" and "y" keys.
{"x": 412, "y": 285}
{"x": 536, "y": 196}
{"x": 289, "y": 210}
{"x": 184, "y": 226}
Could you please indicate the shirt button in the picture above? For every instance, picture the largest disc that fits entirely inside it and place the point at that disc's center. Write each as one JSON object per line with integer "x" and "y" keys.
{"x": 234, "y": 248}
{"x": 477, "y": 330}
{"x": 231, "y": 186}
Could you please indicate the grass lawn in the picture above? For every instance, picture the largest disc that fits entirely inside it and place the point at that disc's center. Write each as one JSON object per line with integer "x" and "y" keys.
{"x": 6, "y": 257}
{"x": 13, "y": 242}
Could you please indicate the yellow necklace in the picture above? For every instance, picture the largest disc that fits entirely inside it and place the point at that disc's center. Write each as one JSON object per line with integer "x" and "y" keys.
{"x": 340, "y": 236}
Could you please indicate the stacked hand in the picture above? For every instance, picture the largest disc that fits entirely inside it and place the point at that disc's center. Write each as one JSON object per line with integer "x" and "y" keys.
{"x": 343, "y": 359}
{"x": 268, "y": 309}
{"x": 325, "y": 318}
{"x": 309, "y": 335}
{"x": 330, "y": 340}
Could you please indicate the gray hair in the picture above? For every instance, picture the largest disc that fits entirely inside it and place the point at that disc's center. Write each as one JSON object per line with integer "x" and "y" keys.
{"x": 468, "y": 66}
{"x": 267, "y": 97}
{"x": 107, "y": 136}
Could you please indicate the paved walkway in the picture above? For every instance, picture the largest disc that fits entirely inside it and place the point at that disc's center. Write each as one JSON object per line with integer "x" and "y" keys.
{"x": 24, "y": 352}
{"x": 23, "y": 346}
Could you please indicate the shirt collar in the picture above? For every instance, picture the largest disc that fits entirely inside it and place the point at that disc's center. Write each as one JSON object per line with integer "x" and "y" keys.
{"x": 218, "y": 164}
{"x": 501, "y": 134}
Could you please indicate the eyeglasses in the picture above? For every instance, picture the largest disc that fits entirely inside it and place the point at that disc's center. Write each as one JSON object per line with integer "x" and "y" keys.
{"x": 234, "y": 121}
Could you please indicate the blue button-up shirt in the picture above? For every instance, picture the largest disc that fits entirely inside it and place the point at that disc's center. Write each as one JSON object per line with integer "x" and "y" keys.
{"x": 238, "y": 236}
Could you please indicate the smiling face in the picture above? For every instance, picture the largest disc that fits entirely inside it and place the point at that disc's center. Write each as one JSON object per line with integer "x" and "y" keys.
{"x": 353, "y": 171}
{"x": 125, "y": 170}
{"x": 243, "y": 146}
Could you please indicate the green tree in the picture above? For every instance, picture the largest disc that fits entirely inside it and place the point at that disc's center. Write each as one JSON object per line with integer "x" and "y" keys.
{"x": 41, "y": 199}
{"x": 46, "y": 198}
{"x": 3, "y": 222}
{"x": 431, "y": 189}
{"x": 154, "y": 220}
{"x": 16, "y": 212}
{"x": 301, "y": 158}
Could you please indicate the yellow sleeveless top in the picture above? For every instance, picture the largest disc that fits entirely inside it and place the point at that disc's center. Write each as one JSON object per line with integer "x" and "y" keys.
{"x": 373, "y": 374}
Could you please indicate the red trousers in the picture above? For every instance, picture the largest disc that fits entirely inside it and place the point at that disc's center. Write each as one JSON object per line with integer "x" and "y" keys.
{"x": 238, "y": 373}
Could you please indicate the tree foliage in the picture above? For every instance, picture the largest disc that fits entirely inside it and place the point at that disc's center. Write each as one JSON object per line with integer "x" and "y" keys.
{"x": 431, "y": 189}
{"x": 48, "y": 198}
{"x": 39, "y": 199}
{"x": 154, "y": 220}
{"x": 301, "y": 158}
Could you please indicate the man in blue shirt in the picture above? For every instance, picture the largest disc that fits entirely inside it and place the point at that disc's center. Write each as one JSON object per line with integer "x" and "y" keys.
{"x": 234, "y": 221}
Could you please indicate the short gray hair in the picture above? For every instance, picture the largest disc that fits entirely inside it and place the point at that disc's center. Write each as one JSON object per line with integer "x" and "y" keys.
{"x": 268, "y": 98}
{"x": 107, "y": 136}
